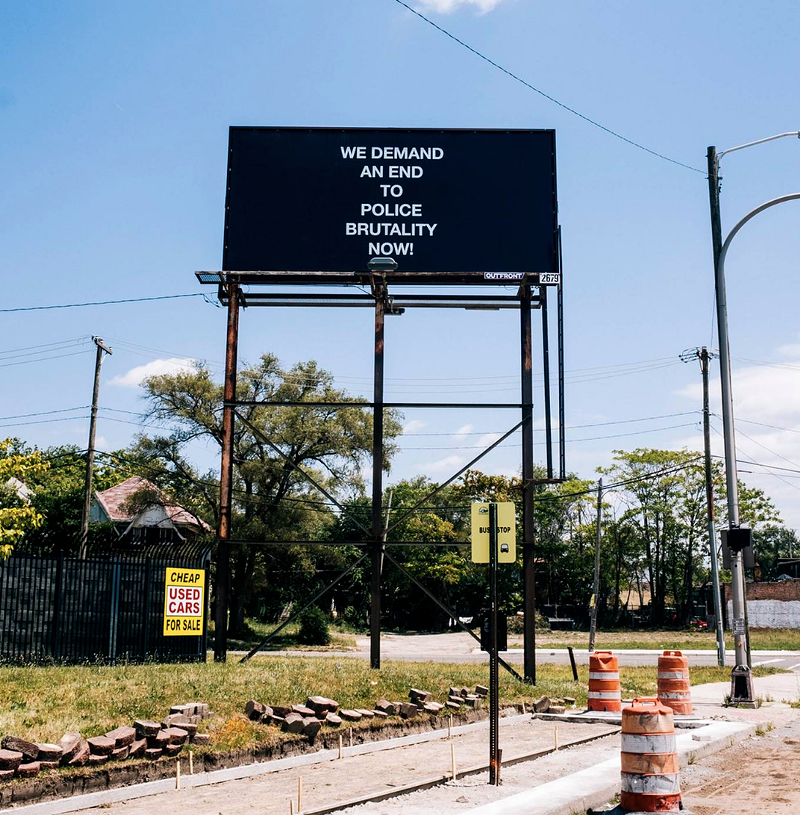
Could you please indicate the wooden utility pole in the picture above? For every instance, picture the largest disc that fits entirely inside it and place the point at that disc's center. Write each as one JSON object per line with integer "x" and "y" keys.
{"x": 712, "y": 538}
{"x": 87, "y": 484}
{"x": 596, "y": 595}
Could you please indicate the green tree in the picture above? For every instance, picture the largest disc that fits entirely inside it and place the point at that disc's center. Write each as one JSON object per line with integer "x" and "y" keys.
{"x": 58, "y": 497}
{"x": 17, "y": 516}
{"x": 272, "y": 499}
{"x": 771, "y": 543}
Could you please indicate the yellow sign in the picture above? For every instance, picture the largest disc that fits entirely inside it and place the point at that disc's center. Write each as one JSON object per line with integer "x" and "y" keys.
{"x": 184, "y": 602}
{"x": 506, "y": 532}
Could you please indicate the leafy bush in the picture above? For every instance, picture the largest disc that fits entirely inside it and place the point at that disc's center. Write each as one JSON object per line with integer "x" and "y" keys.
{"x": 314, "y": 627}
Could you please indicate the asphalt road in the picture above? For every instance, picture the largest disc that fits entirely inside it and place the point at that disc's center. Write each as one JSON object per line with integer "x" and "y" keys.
{"x": 460, "y": 647}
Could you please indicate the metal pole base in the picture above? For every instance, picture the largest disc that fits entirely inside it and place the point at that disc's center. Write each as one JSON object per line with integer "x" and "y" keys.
{"x": 618, "y": 810}
{"x": 742, "y": 687}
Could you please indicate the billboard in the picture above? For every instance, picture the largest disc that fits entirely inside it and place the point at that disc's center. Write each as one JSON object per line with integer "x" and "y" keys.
{"x": 477, "y": 202}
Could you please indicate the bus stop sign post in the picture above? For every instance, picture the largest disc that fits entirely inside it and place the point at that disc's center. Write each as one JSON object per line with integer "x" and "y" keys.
{"x": 494, "y": 678}
{"x": 494, "y": 542}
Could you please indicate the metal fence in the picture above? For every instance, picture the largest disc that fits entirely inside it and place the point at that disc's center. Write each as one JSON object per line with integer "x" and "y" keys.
{"x": 107, "y": 608}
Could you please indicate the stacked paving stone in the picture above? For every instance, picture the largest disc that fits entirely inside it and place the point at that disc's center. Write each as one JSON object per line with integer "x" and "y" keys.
{"x": 307, "y": 719}
{"x": 24, "y": 759}
{"x": 546, "y": 705}
{"x": 459, "y": 697}
{"x": 319, "y": 712}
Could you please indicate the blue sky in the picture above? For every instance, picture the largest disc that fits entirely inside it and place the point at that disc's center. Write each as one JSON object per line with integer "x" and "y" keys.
{"x": 113, "y": 132}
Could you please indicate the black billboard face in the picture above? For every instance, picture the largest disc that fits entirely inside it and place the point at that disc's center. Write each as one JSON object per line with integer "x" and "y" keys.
{"x": 439, "y": 201}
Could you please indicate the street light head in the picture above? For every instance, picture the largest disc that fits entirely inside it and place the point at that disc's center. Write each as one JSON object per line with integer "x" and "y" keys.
{"x": 382, "y": 265}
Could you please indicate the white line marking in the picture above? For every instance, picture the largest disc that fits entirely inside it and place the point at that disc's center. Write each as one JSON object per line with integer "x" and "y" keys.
{"x": 766, "y": 662}
{"x": 792, "y": 667}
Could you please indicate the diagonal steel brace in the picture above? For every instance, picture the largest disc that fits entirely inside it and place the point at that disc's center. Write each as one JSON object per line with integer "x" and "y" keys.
{"x": 300, "y": 470}
{"x": 447, "y": 611}
{"x": 453, "y": 478}
{"x": 310, "y": 603}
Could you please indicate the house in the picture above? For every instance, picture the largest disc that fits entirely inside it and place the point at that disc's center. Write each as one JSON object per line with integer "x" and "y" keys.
{"x": 17, "y": 488}
{"x": 137, "y": 505}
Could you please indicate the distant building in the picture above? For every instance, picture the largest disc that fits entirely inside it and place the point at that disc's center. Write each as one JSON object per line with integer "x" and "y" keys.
{"x": 137, "y": 505}
{"x": 19, "y": 489}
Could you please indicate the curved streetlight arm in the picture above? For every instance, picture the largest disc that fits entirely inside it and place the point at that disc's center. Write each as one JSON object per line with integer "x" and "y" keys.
{"x": 758, "y": 141}
{"x": 725, "y": 360}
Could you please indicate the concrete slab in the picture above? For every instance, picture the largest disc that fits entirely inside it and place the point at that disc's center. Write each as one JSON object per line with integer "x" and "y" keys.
{"x": 598, "y": 785}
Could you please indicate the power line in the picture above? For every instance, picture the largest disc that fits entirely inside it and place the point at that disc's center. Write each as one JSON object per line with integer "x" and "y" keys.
{"x": 772, "y": 426}
{"x": 102, "y": 302}
{"x": 770, "y": 364}
{"x": 568, "y": 441}
{"x": 45, "y": 359}
{"x": 547, "y": 95}
{"x": 43, "y": 413}
{"x": 36, "y": 350}
{"x": 757, "y": 464}
{"x": 566, "y": 427}
{"x": 45, "y": 421}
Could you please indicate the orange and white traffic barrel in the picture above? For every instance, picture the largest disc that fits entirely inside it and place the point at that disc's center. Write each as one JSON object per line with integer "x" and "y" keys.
{"x": 674, "y": 689}
{"x": 650, "y": 773}
{"x": 604, "y": 687}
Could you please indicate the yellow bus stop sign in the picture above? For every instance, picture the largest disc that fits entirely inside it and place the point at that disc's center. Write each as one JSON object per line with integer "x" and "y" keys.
{"x": 506, "y": 532}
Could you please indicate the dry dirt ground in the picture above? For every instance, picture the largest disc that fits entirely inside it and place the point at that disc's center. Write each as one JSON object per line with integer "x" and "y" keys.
{"x": 760, "y": 775}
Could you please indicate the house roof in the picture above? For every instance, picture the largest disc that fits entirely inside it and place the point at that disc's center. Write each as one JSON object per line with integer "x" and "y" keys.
{"x": 114, "y": 502}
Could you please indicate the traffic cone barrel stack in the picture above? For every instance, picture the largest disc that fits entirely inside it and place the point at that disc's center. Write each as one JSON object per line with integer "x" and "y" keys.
{"x": 604, "y": 687}
{"x": 650, "y": 773}
{"x": 674, "y": 689}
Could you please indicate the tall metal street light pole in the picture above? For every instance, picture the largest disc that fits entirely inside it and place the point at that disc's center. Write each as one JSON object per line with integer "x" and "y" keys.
{"x": 741, "y": 678}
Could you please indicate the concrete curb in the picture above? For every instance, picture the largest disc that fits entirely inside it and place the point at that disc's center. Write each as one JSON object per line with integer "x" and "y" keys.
{"x": 595, "y": 786}
{"x": 76, "y": 803}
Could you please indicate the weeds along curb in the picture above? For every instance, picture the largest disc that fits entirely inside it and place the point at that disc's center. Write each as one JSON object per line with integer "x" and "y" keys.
{"x": 66, "y": 784}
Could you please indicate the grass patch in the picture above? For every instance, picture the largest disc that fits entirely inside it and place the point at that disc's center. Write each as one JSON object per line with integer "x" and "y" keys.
{"x": 342, "y": 638}
{"x": 761, "y": 639}
{"x": 42, "y": 703}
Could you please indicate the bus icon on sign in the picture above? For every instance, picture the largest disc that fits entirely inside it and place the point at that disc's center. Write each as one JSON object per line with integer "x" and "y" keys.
{"x": 483, "y": 510}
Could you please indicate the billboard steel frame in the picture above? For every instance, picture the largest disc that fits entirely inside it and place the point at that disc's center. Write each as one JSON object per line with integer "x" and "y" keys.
{"x": 232, "y": 295}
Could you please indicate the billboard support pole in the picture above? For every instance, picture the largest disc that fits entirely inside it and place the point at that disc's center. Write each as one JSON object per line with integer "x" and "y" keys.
{"x": 548, "y": 419}
{"x": 223, "y": 576}
{"x": 528, "y": 564}
{"x": 379, "y": 292}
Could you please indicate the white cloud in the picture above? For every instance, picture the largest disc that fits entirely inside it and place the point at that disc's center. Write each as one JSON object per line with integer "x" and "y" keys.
{"x": 137, "y": 375}
{"x": 763, "y": 395}
{"x": 448, "y": 6}
{"x": 462, "y": 432}
{"x": 488, "y": 438}
{"x": 448, "y": 464}
{"x": 790, "y": 350}
{"x": 414, "y": 426}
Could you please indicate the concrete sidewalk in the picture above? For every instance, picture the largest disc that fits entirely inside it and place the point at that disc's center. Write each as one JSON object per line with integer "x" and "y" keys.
{"x": 598, "y": 785}
{"x": 774, "y": 688}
